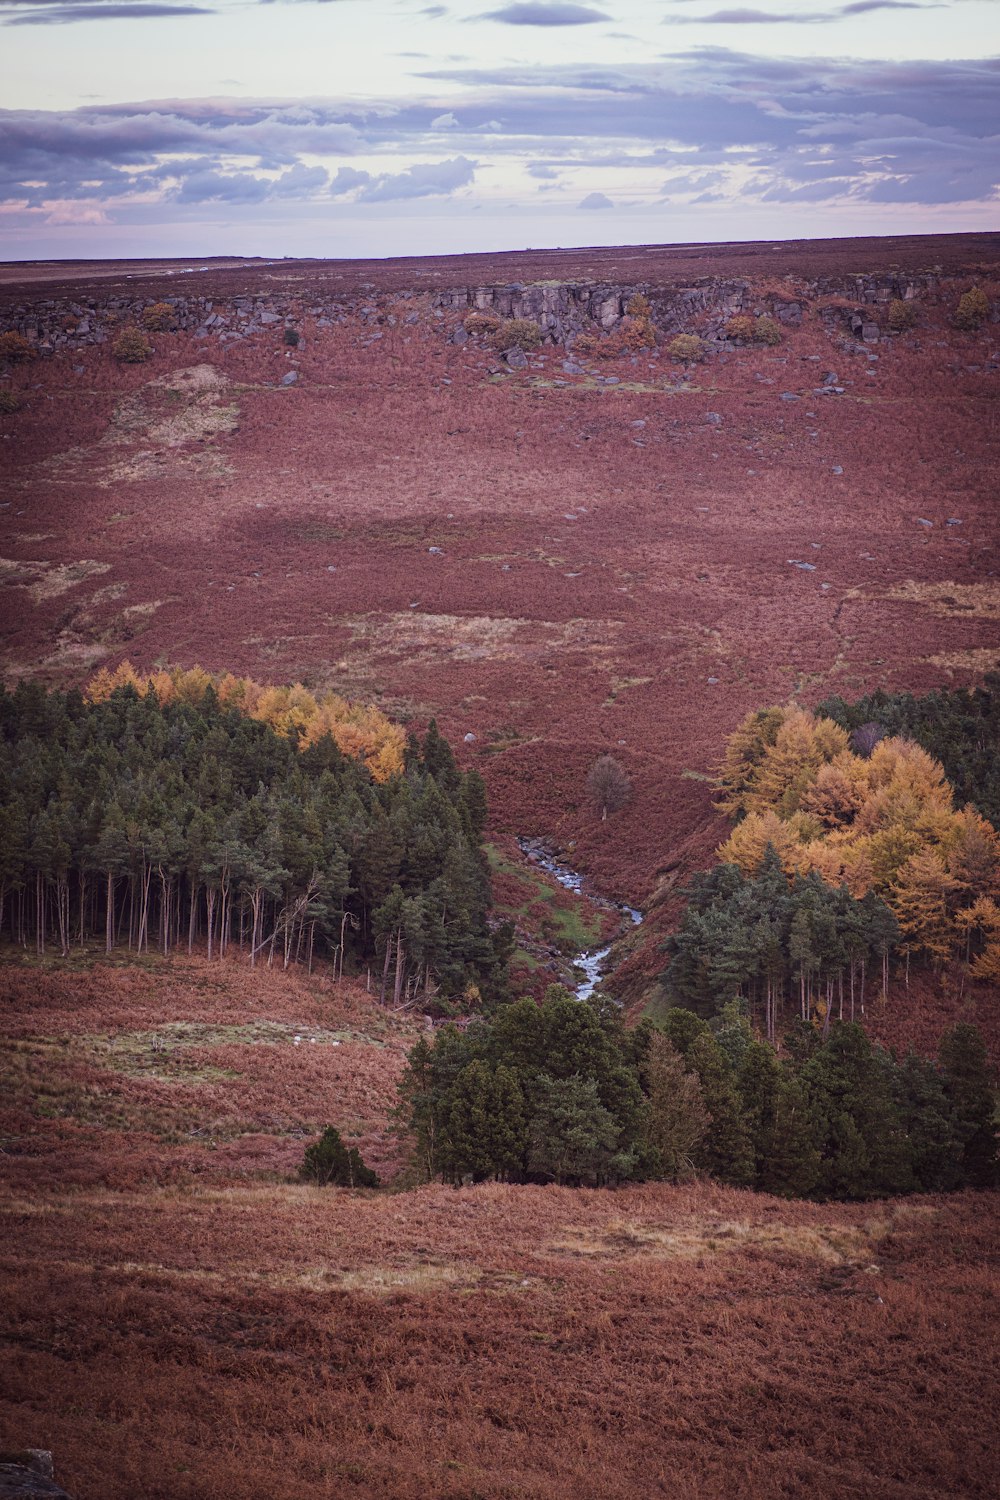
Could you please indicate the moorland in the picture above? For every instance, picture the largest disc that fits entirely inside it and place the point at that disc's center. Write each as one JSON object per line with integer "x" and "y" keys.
{"x": 584, "y": 547}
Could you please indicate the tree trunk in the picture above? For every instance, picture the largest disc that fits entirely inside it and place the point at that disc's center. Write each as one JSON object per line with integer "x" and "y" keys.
{"x": 400, "y": 969}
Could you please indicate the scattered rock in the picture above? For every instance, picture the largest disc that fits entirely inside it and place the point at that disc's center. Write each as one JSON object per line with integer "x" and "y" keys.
{"x": 922, "y": 522}
{"x": 713, "y": 419}
{"x": 436, "y": 551}
{"x": 788, "y": 396}
{"x": 460, "y": 336}
{"x": 570, "y": 367}
{"x": 953, "y": 521}
{"x": 837, "y": 469}
{"x": 470, "y": 739}
{"x": 27, "y": 1475}
{"x": 793, "y": 562}
{"x": 290, "y": 378}
{"x": 516, "y": 359}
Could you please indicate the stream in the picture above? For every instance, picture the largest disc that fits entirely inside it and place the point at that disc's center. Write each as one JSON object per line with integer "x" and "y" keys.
{"x": 591, "y": 960}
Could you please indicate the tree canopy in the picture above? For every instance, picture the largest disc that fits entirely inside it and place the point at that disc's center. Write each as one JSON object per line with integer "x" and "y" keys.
{"x": 149, "y": 820}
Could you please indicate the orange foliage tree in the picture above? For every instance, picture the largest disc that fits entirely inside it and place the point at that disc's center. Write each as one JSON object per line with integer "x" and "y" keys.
{"x": 358, "y": 729}
{"x": 885, "y": 822}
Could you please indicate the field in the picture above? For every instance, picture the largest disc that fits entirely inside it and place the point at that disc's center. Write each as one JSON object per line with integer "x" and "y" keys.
{"x": 184, "y": 1320}
{"x": 624, "y": 557}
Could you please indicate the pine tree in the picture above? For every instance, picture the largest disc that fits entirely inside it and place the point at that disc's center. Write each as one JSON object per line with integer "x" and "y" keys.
{"x": 677, "y": 1119}
{"x": 969, "y": 1085}
{"x": 725, "y": 1150}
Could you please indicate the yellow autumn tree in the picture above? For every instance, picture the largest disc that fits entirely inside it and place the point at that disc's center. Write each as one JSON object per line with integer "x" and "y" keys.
{"x": 359, "y": 730}
{"x": 919, "y": 899}
{"x": 744, "y": 752}
{"x": 886, "y": 823}
{"x": 981, "y": 921}
{"x": 748, "y": 842}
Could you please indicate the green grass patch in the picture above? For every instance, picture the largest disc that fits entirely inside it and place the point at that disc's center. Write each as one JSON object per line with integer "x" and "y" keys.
{"x": 545, "y": 908}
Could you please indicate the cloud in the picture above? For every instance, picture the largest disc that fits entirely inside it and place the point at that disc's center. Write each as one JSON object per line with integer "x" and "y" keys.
{"x": 595, "y": 200}
{"x": 859, "y": 7}
{"x": 444, "y": 122}
{"x": 423, "y": 180}
{"x": 299, "y": 182}
{"x": 76, "y": 214}
{"x": 540, "y": 13}
{"x": 347, "y": 179}
{"x": 742, "y": 17}
{"x": 222, "y": 187}
{"x": 62, "y": 15}
{"x": 774, "y": 129}
{"x": 747, "y": 16}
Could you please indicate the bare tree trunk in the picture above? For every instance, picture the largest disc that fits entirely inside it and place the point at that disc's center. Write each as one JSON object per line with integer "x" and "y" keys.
{"x": 400, "y": 969}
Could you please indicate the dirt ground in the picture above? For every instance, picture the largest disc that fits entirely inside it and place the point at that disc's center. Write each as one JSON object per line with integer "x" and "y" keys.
{"x": 182, "y": 1320}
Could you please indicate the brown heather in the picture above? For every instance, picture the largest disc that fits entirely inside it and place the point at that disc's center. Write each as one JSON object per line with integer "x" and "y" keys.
{"x": 183, "y": 1322}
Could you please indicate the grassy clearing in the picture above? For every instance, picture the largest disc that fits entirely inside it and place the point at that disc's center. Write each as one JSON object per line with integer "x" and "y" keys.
{"x": 534, "y": 900}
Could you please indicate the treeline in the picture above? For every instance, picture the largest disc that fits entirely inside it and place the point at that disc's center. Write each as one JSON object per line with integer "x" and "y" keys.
{"x": 563, "y": 1093}
{"x": 360, "y": 730}
{"x": 802, "y": 946}
{"x": 959, "y": 727}
{"x": 143, "y": 823}
{"x": 877, "y": 862}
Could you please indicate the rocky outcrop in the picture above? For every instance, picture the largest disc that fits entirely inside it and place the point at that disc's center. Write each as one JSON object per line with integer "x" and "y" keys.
{"x": 27, "y": 1475}
{"x": 561, "y": 310}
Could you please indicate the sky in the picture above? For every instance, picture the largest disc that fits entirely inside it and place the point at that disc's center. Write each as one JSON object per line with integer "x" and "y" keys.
{"x": 371, "y": 128}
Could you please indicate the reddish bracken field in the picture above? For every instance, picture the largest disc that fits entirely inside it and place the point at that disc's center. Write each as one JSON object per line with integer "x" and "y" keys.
{"x": 556, "y": 566}
{"x": 183, "y": 1321}
{"x": 513, "y": 554}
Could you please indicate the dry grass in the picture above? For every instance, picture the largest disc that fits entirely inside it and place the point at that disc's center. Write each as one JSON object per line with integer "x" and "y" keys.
{"x": 182, "y": 1320}
{"x": 978, "y": 659}
{"x": 945, "y": 597}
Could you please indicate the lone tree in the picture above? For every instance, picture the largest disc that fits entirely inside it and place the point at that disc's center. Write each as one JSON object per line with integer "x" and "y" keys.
{"x": 608, "y": 785}
{"x": 328, "y": 1161}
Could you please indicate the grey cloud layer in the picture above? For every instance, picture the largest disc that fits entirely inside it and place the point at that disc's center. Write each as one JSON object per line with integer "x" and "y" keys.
{"x": 747, "y": 16}
{"x": 773, "y": 129}
{"x": 538, "y": 13}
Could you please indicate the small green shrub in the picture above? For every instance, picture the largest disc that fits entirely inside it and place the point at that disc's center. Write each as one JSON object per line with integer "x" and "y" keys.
{"x": 328, "y": 1161}
{"x": 902, "y": 315}
{"x": 740, "y": 328}
{"x": 973, "y": 309}
{"x": 518, "y": 333}
{"x": 291, "y": 337}
{"x": 131, "y": 346}
{"x": 767, "y": 331}
{"x": 686, "y": 346}
{"x": 482, "y": 323}
{"x": 14, "y": 346}
{"x": 9, "y": 403}
{"x": 160, "y": 318}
